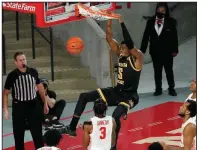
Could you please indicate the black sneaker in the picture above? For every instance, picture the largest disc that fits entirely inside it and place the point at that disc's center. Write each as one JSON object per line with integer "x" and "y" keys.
{"x": 57, "y": 124}
{"x": 69, "y": 132}
{"x": 172, "y": 92}
{"x": 157, "y": 93}
{"x": 48, "y": 126}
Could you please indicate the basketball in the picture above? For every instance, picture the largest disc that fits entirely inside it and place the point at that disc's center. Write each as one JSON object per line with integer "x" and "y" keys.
{"x": 74, "y": 45}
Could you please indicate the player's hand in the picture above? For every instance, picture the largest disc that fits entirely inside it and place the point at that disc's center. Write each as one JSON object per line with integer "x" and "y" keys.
{"x": 120, "y": 18}
{"x": 46, "y": 108}
{"x": 108, "y": 12}
{"x": 6, "y": 115}
{"x": 117, "y": 16}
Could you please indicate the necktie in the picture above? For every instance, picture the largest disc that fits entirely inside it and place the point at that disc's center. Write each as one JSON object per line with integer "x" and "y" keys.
{"x": 159, "y": 22}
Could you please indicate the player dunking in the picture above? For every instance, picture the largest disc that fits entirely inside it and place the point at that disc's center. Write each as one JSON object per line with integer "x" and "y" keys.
{"x": 124, "y": 95}
{"x": 99, "y": 132}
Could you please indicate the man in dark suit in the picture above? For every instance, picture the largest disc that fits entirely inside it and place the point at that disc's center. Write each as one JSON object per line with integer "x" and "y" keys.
{"x": 161, "y": 33}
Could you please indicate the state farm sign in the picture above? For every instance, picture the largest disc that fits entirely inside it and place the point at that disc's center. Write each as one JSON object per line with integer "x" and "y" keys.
{"x": 20, "y": 7}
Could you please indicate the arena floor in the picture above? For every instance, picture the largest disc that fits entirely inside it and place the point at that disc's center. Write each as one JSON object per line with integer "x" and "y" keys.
{"x": 153, "y": 119}
{"x": 150, "y": 121}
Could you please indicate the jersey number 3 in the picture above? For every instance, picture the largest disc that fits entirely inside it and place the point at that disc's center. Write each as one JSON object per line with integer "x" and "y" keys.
{"x": 103, "y": 133}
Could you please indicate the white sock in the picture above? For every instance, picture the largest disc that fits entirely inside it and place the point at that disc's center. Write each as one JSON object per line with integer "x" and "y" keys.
{"x": 46, "y": 120}
{"x": 54, "y": 118}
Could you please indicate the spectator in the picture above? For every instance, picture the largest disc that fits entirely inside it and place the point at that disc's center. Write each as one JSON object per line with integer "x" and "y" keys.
{"x": 55, "y": 107}
{"x": 161, "y": 32}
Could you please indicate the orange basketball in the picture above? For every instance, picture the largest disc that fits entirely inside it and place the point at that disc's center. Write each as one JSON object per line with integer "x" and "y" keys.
{"x": 74, "y": 45}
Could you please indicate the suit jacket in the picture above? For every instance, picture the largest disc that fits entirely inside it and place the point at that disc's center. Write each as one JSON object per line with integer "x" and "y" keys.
{"x": 164, "y": 44}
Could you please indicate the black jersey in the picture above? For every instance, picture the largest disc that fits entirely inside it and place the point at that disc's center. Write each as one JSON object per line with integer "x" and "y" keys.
{"x": 128, "y": 75}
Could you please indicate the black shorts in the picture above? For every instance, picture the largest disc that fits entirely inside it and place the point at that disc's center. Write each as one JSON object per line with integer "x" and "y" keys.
{"x": 115, "y": 97}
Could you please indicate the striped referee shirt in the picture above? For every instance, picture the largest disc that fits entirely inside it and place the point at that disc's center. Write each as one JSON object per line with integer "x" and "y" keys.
{"x": 22, "y": 84}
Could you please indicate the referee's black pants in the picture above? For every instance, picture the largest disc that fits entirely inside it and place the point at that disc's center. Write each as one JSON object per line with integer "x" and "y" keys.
{"x": 27, "y": 112}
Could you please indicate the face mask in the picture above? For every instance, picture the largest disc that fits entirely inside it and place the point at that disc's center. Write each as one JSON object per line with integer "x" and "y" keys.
{"x": 160, "y": 15}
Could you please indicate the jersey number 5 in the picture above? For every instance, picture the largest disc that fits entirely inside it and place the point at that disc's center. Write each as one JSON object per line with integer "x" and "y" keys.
{"x": 103, "y": 133}
{"x": 120, "y": 70}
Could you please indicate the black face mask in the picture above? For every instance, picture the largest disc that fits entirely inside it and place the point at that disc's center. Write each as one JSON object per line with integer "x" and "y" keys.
{"x": 160, "y": 15}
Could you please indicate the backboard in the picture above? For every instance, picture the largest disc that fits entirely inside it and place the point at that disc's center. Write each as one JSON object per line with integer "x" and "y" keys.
{"x": 63, "y": 12}
{"x": 54, "y": 13}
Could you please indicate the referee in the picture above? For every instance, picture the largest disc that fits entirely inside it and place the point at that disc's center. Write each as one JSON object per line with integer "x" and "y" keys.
{"x": 26, "y": 109}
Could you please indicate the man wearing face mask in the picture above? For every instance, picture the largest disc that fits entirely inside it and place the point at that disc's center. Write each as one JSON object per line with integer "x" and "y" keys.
{"x": 161, "y": 33}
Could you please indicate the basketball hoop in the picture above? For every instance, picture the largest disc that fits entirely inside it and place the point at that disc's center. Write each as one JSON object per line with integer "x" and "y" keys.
{"x": 94, "y": 12}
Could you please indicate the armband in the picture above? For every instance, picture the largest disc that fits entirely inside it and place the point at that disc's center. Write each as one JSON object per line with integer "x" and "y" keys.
{"x": 127, "y": 38}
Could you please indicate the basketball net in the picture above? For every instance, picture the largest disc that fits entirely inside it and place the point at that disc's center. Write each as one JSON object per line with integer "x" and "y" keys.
{"x": 94, "y": 12}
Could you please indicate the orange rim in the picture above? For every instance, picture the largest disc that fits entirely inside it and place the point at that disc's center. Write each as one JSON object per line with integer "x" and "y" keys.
{"x": 100, "y": 12}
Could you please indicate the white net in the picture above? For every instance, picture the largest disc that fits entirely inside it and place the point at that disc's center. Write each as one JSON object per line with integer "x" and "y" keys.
{"x": 95, "y": 13}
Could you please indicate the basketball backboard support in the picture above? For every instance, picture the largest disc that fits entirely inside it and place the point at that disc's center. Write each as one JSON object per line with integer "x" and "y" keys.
{"x": 54, "y": 13}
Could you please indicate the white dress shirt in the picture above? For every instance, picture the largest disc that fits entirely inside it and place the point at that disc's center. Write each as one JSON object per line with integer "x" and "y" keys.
{"x": 157, "y": 28}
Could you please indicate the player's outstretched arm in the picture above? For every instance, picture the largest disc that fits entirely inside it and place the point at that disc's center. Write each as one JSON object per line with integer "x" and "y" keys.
{"x": 129, "y": 42}
{"x": 112, "y": 42}
{"x": 188, "y": 136}
{"x": 86, "y": 136}
{"x": 113, "y": 142}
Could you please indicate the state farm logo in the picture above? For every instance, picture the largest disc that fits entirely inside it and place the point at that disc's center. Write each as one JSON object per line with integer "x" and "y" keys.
{"x": 20, "y": 6}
